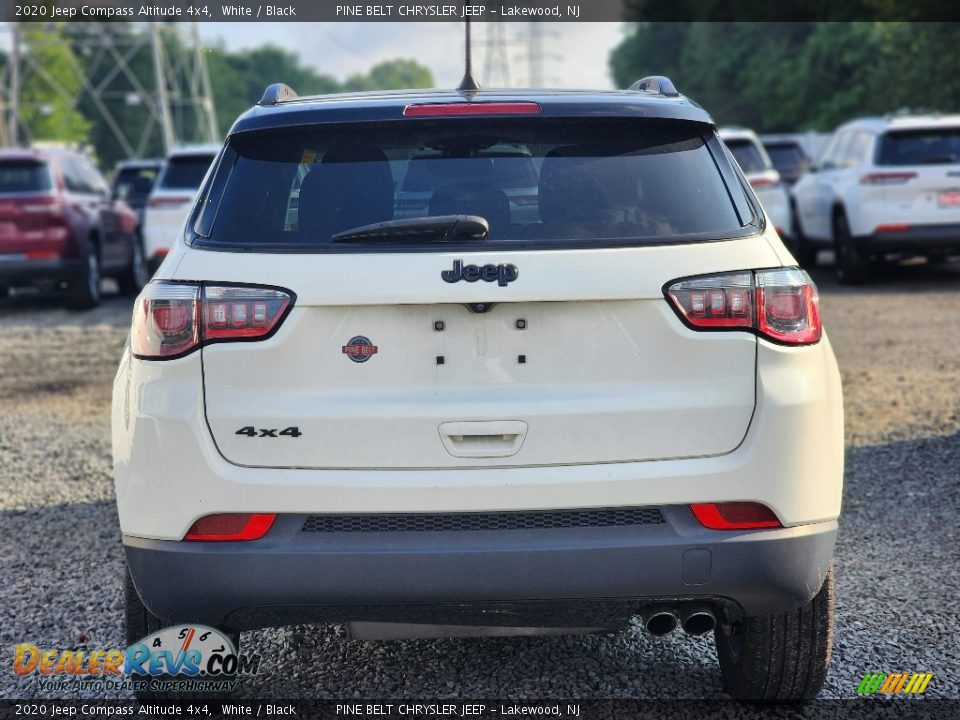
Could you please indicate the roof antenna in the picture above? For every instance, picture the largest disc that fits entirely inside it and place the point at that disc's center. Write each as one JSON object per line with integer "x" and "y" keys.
{"x": 468, "y": 84}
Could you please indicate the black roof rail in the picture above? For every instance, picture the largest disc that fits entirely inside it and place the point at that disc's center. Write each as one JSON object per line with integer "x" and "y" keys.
{"x": 656, "y": 85}
{"x": 277, "y": 93}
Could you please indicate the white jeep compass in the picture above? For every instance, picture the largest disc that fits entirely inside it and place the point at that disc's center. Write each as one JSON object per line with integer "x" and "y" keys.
{"x": 607, "y": 396}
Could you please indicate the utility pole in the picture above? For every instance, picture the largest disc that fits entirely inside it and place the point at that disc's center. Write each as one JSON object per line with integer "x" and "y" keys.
{"x": 13, "y": 101}
{"x": 159, "y": 66}
{"x": 206, "y": 94}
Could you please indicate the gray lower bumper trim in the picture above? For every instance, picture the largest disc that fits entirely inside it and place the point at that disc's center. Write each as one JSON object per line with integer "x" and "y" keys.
{"x": 291, "y": 574}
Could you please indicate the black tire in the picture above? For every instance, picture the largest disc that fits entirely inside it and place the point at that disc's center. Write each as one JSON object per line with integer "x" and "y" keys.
{"x": 783, "y": 656}
{"x": 797, "y": 244}
{"x": 136, "y": 274}
{"x": 84, "y": 291}
{"x": 850, "y": 265}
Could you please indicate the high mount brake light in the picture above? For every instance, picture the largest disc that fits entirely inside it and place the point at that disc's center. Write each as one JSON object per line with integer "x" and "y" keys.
{"x": 471, "y": 108}
{"x": 735, "y": 516}
{"x": 780, "y": 305}
{"x": 227, "y": 527}
{"x": 173, "y": 319}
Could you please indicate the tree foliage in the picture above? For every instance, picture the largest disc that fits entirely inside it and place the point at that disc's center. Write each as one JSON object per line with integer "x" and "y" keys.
{"x": 50, "y": 89}
{"x": 55, "y": 106}
{"x": 779, "y": 77}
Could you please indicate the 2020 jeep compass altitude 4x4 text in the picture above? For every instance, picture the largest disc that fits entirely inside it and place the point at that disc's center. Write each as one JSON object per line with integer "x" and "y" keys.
{"x": 606, "y": 396}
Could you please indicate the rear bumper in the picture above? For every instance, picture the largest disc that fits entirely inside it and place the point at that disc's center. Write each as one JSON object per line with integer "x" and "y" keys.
{"x": 914, "y": 239}
{"x": 292, "y": 576}
{"x": 14, "y": 271}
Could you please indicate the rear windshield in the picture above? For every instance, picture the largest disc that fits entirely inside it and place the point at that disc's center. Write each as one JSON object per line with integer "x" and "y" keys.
{"x": 920, "y": 147}
{"x": 747, "y": 155}
{"x": 21, "y": 176}
{"x": 185, "y": 172}
{"x": 135, "y": 182}
{"x": 786, "y": 157}
{"x": 535, "y": 182}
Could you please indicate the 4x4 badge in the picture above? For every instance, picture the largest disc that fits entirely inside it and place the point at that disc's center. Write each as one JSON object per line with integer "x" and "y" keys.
{"x": 359, "y": 349}
{"x": 503, "y": 273}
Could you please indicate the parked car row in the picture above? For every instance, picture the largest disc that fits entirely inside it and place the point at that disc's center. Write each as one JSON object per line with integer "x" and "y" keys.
{"x": 62, "y": 227}
{"x": 880, "y": 187}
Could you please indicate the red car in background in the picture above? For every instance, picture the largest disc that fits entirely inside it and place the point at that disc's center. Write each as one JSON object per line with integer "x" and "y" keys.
{"x": 60, "y": 227}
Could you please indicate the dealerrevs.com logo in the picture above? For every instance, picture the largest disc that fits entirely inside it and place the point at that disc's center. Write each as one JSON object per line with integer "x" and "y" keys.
{"x": 182, "y": 658}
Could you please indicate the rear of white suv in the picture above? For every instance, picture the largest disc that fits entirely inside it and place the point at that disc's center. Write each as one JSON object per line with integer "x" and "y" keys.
{"x": 474, "y": 418}
{"x": 172, "y": 198}
{"x": 883, "y": 186}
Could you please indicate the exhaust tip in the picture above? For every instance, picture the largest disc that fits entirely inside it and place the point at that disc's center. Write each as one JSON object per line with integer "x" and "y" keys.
{"x": 661, "y": 623}
{"x": 698, "y": 623}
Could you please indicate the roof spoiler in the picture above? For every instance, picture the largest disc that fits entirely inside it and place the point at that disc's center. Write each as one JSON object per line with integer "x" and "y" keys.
{"x": 656, "y": 85}
{"x": 277, "y": 93}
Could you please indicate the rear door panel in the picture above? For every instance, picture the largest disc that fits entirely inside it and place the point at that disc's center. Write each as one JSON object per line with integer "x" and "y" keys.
{"x": 599, "y": 370}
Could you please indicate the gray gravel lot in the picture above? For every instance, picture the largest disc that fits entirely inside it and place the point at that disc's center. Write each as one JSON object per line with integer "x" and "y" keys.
{"x": 898, "y": 563}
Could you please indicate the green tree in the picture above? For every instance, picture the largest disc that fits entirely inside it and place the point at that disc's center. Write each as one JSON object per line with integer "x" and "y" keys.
{"x": 391, "y": 75}
{"x": 51, "y": 84}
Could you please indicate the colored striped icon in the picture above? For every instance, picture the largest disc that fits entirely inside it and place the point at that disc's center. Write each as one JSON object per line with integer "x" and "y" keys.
{"x": 894, "y": 683}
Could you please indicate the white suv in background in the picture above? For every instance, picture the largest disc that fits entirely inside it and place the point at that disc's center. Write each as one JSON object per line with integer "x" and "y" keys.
{"x": 882, "y": 186}
{"x": 763, "y": 177}
{"x": 458, "y": 416}
{"x": 172, "y": 197}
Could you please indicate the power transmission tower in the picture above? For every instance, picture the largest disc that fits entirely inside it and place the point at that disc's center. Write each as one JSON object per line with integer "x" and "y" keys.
{"x": 536, "y": 55}
{"x": 109, "y": 60}
{"x": 496, "y": 66}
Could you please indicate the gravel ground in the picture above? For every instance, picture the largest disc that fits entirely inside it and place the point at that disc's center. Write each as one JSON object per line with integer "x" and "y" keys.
{"x": 898, "y": 565}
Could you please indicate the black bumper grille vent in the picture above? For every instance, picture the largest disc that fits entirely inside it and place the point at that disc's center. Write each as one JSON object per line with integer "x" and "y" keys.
{"x": 539, "y": 520}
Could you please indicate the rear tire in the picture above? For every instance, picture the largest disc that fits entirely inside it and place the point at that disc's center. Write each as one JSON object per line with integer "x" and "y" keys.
{"x": 136, "y": 274}
{"x": 783, "y": 656}
{"x": 83, "y": 292}
{"x": 850, "y": 265}
{"x": 798, "y": 245}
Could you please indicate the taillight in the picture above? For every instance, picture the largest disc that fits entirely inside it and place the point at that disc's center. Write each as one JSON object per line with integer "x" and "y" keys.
{"x": 167, "y": 201}
{"x": 780, "y": 305}
{"x": 230, "y": 527}
{"x": 471, "y": 108}
{"x": 735, "y": 516}
{"x": 173, "y": 319}
{"x": 887, "y": 178}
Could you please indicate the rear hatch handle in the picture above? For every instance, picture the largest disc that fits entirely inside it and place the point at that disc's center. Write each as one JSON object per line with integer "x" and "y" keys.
{"x": 485, "y": 439}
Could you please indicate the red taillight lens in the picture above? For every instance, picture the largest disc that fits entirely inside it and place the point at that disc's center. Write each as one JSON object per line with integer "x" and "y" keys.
{"x": 735, "y": 516}
{"x": 887, "y": 178}
{"x": 166, "y": 321}
{"x": 167, "y": 201}
{"x": 173, "y": 319}
{"x": 781, "y": 305}
{"x": 230, "y": 527}
{"x": 471, "y": 108}
{"x": 233, "y": 313}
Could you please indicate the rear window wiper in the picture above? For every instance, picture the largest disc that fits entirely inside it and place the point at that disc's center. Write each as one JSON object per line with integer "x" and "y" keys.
{"x": 440, "y": 228}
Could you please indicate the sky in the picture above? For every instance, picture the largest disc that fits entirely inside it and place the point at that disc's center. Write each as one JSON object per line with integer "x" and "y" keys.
{"x": 576, "y": 54}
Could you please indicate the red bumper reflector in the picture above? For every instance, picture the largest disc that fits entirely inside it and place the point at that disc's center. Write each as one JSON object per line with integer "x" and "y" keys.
{"x": 225, "y": 527}
{"x": 892, "y": 227}
{"x": 471, "y": 108}
{"x": 735, "y": 516}
{"x": 42, "y": 255}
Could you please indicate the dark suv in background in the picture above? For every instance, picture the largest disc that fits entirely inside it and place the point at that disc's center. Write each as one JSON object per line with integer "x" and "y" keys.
{"x": 60, "y": 227}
